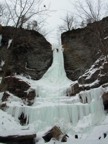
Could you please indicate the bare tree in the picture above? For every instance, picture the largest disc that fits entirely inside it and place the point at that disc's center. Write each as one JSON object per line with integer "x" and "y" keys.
{"x": 4, "y": 15}
{"x": 1, "y": 9}
{"x": 38, "y": 25}
{"x": 68, "y": 23}
{"x": 21, "y": 11}
{"x": 89, "y": 11}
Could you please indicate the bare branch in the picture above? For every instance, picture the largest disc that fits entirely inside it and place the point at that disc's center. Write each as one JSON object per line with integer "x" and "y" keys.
{"x": 12, "y": 17}
{"x": 89, "y": 11}
{"x": 68, "y": 23}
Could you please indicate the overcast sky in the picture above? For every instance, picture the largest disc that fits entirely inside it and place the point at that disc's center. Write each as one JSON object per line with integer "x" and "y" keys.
{"x": 61, "y": 7}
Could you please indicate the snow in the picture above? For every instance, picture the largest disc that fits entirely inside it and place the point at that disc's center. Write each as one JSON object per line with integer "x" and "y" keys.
{"x": 82, "y": 115}
{"x": 9, "y": 127}
{"x": 2, "y": 63}
{"x": 0, "y": 39}
{"x": 7, "y": 122}
{"x": 9, "y": 43}
{"x": 105, "y": 37}
{"x": 0, "y": 79}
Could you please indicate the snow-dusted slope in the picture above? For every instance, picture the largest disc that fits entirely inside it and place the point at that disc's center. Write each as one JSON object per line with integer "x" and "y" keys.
{"x": 9, "y": 127}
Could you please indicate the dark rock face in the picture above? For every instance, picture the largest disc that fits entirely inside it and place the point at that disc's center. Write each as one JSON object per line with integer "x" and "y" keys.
{"x": 5, "y": 96}
{"x": 23, "y": 119}
{"x": 55, "y": 133}
{"x": 18, "y": 139}
{"x": 28, "y": 54}
{"x": 96, "y": 76}
{"x": 81, "y": 48}
{"x": 19, "y": 88}
{"x": 89, "y": 80}
{"x": 15, "y": 84}
{"x": 73, "y": 90}
{"x": 3, "y": 106}
{"x": 105, "y": 100}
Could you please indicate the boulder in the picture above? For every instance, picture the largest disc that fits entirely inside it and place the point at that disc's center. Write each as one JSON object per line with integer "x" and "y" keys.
{"x": 55, "y": 133}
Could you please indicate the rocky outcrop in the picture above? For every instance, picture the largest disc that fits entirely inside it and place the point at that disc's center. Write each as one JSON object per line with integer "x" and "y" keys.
{"x": 55, "y": 133}
{"x": 95, "y": 77}
{"x": 19, "y": 88}
{"x": 24, "y": 52}
{"x": 81, "y": 48}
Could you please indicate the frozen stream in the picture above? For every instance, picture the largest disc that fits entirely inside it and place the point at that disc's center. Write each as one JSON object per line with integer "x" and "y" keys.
{"x": 53, "y": 107}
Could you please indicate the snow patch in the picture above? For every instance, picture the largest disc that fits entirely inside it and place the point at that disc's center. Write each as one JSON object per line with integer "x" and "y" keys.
{"x": 9, "y": 43}
{"x": 0, "y": 40}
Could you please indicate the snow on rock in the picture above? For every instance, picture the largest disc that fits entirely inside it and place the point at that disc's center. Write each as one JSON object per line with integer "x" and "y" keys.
{"x": 105, "y": 37}
{"x": 91, "y": 75}
{"x": 0, "y": 40}
{"x": 2, "y": 63}
{"x": 9, "y": 43}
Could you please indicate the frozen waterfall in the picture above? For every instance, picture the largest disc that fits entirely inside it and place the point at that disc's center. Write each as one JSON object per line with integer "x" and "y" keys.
{"x": 53, "y": 107}
{"x": 54, "y": 82}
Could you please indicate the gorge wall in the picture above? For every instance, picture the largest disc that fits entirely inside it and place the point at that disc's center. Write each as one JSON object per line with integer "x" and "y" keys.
{"x": 24, "y": 52}
{"x": 82, "y": 47}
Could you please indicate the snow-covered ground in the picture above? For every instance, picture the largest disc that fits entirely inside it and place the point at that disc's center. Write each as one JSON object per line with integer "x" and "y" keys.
{"x": 82, "y": 115}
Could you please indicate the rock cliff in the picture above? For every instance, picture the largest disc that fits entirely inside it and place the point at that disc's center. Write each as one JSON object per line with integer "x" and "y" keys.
{"x": 24, "y": 52}
{"x": 81, "y": 47}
